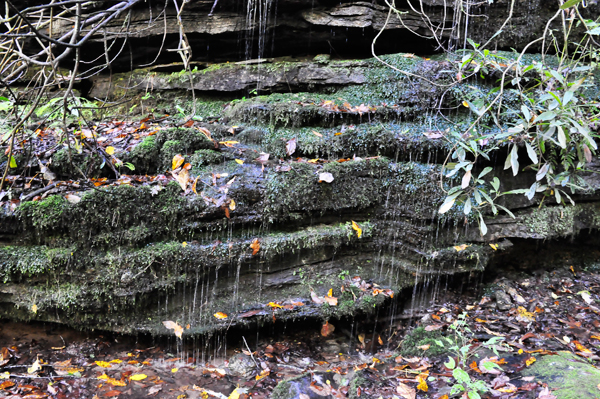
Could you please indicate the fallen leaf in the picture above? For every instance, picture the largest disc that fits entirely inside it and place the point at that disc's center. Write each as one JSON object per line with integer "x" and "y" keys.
{"x": 274, "y": 305}
{"x": 424, "y": 347}
{"x": 183, "y": 178}
{"x": 545, "y": 394}
{"x": 103, "y": 364}
{"x": 586, "y": 296}
{"x": 262, "y": 375}
{"x": 177, "y": 329}
{"x": 422, "y": 384}
{"x": 34, "y": 308}
{"x": 325, "y": 177}
{"x": 110, "y": 150}
{"x": 316, "y": 299}
{"x": 228, "y": 143}
{"x": 220, "y": 315}
{"x": 356, "y": 227}
{"x": 462, "y": 247}
{"x": 331, "y": 300}
{"x": 317, "y": 133}
{"x": 232, "y": 205}
{"x": 405, "y": 391}
{"x": 494, "y": 246}
{"x": 327, "y": 329}
{"x": 241, "y": 162}
{"x": 177, "y": 161}
{"x": 255, "y": 246}
{"x": 290, "y": 147}
{"x": 138, "y": 377}
{"x": 530, "y": 361}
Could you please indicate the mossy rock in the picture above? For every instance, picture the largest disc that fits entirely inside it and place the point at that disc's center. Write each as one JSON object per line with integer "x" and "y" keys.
{"x": 420, "y": 337}
{"x": 567, "y": 375}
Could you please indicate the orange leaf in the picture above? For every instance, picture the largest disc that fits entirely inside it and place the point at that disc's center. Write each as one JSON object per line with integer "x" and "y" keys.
{"x": 189, "y": 123}
{"x": 327, "y": 329}
{"x": 422, "y": 384}
{"x": 171, "y": 325}
{"x": 255, "y": 246}
{"x": 331, "y": 300}
{"x": 263, "y": 374}
{"x": 330, "y": 292}
{"x": 7, "y": 384}
{"x": 220, "y": 315}
{"x": 177, "y": 161}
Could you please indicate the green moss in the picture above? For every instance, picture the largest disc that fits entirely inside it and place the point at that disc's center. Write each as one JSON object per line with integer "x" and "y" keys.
{"x": 567, "y": 375}
{"x": 144, "y": 156}
{"x": 419, "y": 337}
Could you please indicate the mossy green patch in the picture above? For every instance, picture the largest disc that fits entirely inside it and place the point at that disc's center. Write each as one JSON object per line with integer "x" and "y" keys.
{"x": 413, "y": 343}
{"x": 567, "y": 375}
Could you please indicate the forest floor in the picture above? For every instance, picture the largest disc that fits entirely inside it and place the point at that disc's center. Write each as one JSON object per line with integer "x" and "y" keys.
{"x": 489, "y": 338}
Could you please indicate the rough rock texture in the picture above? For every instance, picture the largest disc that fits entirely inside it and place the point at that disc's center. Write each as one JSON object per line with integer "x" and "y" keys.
{"x": 227, "y": 30}
{"x": 128, "y": 257}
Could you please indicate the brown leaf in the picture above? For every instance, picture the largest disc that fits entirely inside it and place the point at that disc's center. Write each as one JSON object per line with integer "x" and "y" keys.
{"x": 405, "y": 391}
{"x": 189, "y": 123}
{"x": 587, "y": 153}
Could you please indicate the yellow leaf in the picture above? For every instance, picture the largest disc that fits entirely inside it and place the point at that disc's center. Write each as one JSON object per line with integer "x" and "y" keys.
{"x": 220, "y": 315}
{"x": 228, "y": 143}
{"x": 465, "y": 104}
{"x": 184, "y": 244}
{"x": 356, "y": 227}
{"x": 330, "y": 293}
{"x": 262, "y": 374}
{"x": 241, "y": 162}
{"x": 138, "y": 377}
{"x": 232, "y": 205}
{"x": 36, "y": 366}
{"x": 494, "y": 246}
{"x": 103, "y": 377}
{"x": 103, "y": 364}
{"x": 422, "y": 384}
{"x": 177, "y": 161}
{"x": 530, "y": 361}
{"x": 234, "y": 395}
{"x": 117, "y": 361}
{"x": 34, "y": 308}
{"x": 177, "y": 329}
{"x": 110, "y": 150}
{"x": 183, "y": 178}
{"x": 274, "y": 305}
{"x": 520, "y": 351}
{"x": 174, "y": 370}
{"x": 461, "y": 247}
